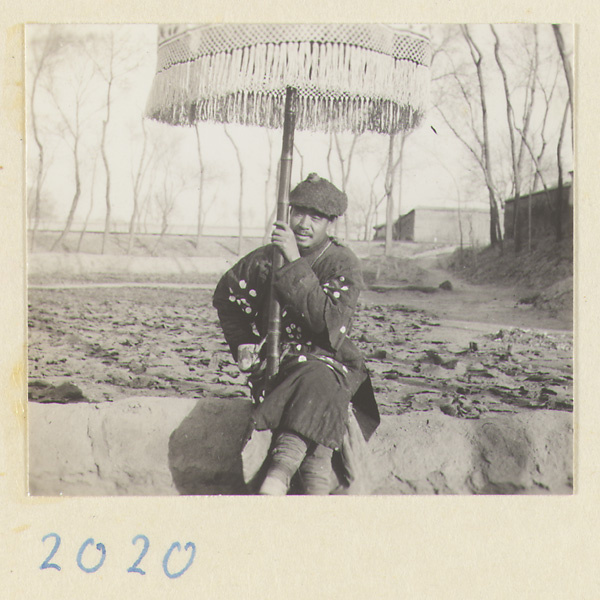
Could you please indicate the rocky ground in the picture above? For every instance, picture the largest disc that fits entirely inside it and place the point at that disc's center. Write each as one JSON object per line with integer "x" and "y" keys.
{"x": 467, "y": 352}
{"x": 112, "y": 343}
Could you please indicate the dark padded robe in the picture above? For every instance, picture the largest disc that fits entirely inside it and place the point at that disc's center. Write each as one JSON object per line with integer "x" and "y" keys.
{"x": 321, "y": 370}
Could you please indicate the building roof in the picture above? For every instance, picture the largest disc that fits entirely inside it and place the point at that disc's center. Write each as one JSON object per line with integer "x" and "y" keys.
{"x": 422, "y": 209}
{"x": 566, "y": 186}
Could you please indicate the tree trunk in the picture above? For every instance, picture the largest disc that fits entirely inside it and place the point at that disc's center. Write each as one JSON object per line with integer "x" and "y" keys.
{"x": 345, "y": 174}
{"x": 529, "y": 216}
{"x": 495, "y": 232}
{"x": 137, "y": 187}
{"x": 270, "y": 212}
{"x": 50, "y": 47}
{"x": 389, "y": 187}
{"x": 105, "y": 161}
{"x": 200, "y": 190}
{"x": 87, "y": 217}
{"x": 336, "y": 228}
{"x": 38, "y": 183}
{"x": 329, "y": 151}
{"x": 559, "y": 197}
{"x": 75, "y": 200}
{"x": 400, "y": 163}
{"x": 270, "y": 218}
{"x": 300, "y": 155}
{"x": 565, "y": 61}
{"x": 241, "y": 196}
{"x": 513, "y": 152}
{"x": 569, "y": 77}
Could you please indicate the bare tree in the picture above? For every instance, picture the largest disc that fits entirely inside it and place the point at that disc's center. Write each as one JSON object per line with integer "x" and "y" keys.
{"x": 559, "y": 162}
{"x": 394, "y": 170}
{"x": 112, "y": 57}
{"x": 399, "y": 170}
{"x": 173, "y": 185}
{"x": 42, "y": 52}
{"x": 241, "y": 192}
{"x": 109, "y": 77}
{"x": 560, "y": 43}
{"x": 200, "y": 188}
{"x": 389, "y": 188}
{"x": 270, "y": 200}
{"x": 527, "y": 65}
{"x": 516, "y": 156}
{"x": 73, "y": 122}
{"x": 300, "y": 156}
{"x": 375, "y": 201}
{"x": 329, "y": 152}
{"x": 345, "y": 166}
{"x": 495, "y": 233}
{"x": 207, "y": 175}
{"x": 138, "y": 179}
{"x": 368, "y": 212}
{"x": 537, "y": 143}
{"x": 474, "y": 135}
{"x": 366, "y": 187}
{"x": 452, "y": 174}
{"x": 89, "y": 212}
{"x": 537, "y": 158}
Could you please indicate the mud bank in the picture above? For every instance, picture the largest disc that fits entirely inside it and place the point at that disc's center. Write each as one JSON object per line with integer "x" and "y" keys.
{"x": 56, "y": 264}
{"x": 129, "y": 448}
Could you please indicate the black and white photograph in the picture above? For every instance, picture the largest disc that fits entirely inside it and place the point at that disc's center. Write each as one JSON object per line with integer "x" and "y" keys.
{"x": 299, "y": 259}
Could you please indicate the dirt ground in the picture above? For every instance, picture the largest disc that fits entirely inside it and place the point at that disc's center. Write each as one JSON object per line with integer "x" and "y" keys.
{"x": 468, "y": 350}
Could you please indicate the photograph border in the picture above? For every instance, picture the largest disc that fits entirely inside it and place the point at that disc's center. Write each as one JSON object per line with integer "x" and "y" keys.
{"x": 384, "y": 547}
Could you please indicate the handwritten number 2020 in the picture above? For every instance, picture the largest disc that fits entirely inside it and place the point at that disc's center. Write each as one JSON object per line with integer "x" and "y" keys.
{"x": 134, "y": 568}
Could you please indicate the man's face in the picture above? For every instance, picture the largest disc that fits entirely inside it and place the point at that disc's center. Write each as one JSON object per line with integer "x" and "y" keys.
{"x": 309, "y": 226}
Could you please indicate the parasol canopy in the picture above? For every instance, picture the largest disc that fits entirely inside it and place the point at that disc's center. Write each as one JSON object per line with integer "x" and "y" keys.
{"x": 325, "y": 77}
{"x": 348, "y": 77}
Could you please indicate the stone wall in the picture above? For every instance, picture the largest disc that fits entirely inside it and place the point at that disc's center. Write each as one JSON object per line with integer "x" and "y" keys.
{"x": 167, "y": 446}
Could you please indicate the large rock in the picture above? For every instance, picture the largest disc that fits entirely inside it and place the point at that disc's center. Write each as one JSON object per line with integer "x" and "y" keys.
{"x": 173, "y": 445}
{"x": 205, "y": 451}
{"x": 143, "y": 446}
{"x": 432, "y": 453}
{"x": 103, "y": 449}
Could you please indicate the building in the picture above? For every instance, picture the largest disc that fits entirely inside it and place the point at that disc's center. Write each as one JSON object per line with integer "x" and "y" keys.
{"x": 543, "y": 213}
{"x": 441, "y": 226}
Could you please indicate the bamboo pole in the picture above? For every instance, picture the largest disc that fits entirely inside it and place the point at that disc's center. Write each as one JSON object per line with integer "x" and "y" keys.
{"x": 285, "y": 173}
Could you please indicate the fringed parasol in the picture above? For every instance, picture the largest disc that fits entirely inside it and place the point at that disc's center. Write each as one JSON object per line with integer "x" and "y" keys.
{"x": 319, "y": 77}
{"x": 351, "y": 77}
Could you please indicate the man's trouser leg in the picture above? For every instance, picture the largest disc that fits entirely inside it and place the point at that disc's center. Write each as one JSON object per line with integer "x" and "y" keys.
{"x": 285, "y": 459}
{"x": 315, "y": 471}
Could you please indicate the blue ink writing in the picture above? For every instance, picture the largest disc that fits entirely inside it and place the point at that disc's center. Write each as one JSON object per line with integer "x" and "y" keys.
{"x": 135, "y": 568}
{"x": 47, "y": 564}
{"x": 168, "y": 556}
{"x": 90, "y": 541}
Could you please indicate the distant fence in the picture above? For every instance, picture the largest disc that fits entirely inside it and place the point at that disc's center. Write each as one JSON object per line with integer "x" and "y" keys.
{"x": 53, "y": 263}
{"x": 175, "y": 229}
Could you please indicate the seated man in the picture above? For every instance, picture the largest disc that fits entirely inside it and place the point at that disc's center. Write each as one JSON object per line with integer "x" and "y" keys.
{"x": 322, "y": 381}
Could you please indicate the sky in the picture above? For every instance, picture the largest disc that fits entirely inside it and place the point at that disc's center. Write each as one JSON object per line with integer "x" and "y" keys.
{"x": 437, "y": 170}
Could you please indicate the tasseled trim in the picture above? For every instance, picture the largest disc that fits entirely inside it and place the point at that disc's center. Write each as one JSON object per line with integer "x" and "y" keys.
{"x": 341, "y": 87}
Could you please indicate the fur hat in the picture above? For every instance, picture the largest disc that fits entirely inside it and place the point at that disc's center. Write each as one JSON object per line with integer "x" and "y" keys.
{"x": 320, "y": 195}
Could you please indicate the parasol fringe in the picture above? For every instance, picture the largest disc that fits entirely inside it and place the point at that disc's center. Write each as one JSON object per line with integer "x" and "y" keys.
{"x": 340, "y": 88}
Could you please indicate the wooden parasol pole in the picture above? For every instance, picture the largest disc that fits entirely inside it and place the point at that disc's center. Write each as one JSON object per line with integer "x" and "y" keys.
{"x": 283, "y": 194}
